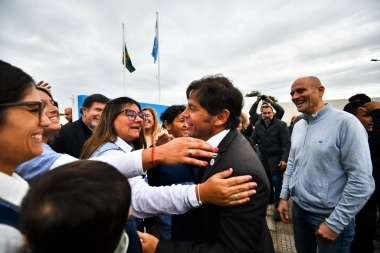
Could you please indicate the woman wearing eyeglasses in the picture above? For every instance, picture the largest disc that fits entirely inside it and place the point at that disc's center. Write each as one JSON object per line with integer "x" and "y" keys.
{"x": 119, "y": 129}
{"x": 21, "y": 129}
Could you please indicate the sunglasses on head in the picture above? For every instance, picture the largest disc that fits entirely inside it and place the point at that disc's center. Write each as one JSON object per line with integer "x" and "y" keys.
{"x": 40, "y": 105}
{"x": 131, "y": 114}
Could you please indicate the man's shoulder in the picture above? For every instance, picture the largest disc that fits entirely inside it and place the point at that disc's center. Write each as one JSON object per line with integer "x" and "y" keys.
{"x": 71, "y": 126}
{"x": 280, "y": 122}
{"x": 342, "y": 116}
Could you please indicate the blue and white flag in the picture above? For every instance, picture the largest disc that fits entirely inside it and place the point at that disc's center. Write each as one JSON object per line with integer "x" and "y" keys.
{"x": 155, "y": 45}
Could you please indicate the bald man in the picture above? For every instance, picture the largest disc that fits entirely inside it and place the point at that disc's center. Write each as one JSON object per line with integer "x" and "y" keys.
{"x": 69, "y": 114}
{"x": 329, "y": 172}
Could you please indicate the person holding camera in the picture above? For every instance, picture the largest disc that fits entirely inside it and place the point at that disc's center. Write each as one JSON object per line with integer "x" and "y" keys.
{"x": 255, "y": 117}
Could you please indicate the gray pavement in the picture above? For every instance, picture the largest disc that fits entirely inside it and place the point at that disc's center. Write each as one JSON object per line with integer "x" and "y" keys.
{"x": 282, "y": 234}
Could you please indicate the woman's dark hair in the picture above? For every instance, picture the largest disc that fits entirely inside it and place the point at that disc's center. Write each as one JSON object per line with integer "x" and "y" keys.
{"x": 171, "y": 113}
{"x": 78, "y": 207}
{"x": 14, "y": 83}
{"x": 105, "y": 131}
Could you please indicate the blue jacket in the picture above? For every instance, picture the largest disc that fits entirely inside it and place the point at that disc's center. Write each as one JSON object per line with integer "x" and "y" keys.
{"x": 329, "y": 169}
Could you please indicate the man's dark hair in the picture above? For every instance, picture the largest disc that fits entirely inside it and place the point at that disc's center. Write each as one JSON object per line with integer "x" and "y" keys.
{"x": 14, "y": 84}
{"x": 171, "y": 113}
{"x": 352, "y": 107}
{"x": 78, "y": 207}
{"x": 215, "y": 93}
{"x": 98, "y": 98}
{"x": 360, "y": 97}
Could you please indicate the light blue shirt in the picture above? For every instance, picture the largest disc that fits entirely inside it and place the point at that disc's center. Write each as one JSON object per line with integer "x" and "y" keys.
{"x": 329, "y": 170}
{"x": 35, "y": 167}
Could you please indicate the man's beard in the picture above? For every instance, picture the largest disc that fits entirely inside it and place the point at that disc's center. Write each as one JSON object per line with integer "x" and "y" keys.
{"x": 94, "y": 123}
{"x": 267, "y": 120}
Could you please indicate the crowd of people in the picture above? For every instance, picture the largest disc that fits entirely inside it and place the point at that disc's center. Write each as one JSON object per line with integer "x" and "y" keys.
{"x": 115, "y": 180}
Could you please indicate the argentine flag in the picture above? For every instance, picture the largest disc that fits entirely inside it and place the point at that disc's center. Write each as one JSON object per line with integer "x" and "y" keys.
{"x": 155, "y": 45}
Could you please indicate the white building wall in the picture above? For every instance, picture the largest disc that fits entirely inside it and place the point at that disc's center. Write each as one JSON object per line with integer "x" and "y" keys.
{"x": 290, "y": 108}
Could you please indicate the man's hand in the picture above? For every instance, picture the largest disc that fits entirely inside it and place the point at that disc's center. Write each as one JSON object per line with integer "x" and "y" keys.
{"x": 270, "y": 101}
{"x": 182, "y": 150}
{"x": 370, "y": 106}
{"x": 283, "y": 210}
{"x": 44, "y": 85}
{"x": 282, "y": 165}
{"x": 324, "y": 232}
{"x": 258, "y": 98}
{"x": 148, "y": 242}
{"x": 162, "y": 138}
{"x": 220, "y": 191}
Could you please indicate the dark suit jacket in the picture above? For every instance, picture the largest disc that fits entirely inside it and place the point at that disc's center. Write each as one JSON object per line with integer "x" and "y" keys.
{"x": 274, "y": 143}
{"x": 71, "y": 138}
{"x": 235, "y": 229}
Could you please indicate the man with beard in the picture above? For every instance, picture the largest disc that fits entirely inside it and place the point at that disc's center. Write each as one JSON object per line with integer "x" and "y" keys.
{"x": 329, "y": 172}
{"x": 71, "y": 137}
{"x": 274, "y": 138}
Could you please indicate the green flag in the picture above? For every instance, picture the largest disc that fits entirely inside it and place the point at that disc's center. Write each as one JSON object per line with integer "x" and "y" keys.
{"x": 127, "y": 60}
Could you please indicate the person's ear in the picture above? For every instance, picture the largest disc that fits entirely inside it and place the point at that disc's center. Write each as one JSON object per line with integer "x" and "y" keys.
{"x": 321, "y": 90}
{"x": 167, "y": 125}
{"x": 222, "y": 117}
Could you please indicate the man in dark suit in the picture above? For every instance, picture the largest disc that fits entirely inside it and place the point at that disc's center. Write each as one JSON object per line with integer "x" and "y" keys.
{"x": 212, "y": 114}
{"x": 71, "y": 137}
{"x": 274, "y": 138}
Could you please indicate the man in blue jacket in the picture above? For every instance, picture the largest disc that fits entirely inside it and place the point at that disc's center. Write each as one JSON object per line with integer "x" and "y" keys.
{"x": 329, "y": 172}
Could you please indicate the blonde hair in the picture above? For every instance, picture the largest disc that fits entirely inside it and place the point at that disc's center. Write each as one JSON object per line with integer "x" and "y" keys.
{"x": 292, "y": 119}
{"x": 244, "y": 120}
{"x": 156, "y": 128}
{"x": 106, "y": 131}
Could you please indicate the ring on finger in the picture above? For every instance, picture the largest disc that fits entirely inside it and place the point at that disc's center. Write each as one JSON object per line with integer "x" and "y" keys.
{"x": 234, "y": 197}
{"x": 190, "y": 152}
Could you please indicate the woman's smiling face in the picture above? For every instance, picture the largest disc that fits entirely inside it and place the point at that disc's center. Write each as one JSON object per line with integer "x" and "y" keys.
{"x": 126, "y": 129}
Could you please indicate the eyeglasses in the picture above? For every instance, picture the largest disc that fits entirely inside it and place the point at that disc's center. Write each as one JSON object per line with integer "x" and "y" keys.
{"x": 131, "y": 114}
{"x": 40, "y": 105}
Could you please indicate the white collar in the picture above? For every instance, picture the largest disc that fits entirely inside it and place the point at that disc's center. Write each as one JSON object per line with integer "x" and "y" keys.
{"x": 216, "y": 139}
{"x": 123, "y": 145}
{"x": 13, "y": 188}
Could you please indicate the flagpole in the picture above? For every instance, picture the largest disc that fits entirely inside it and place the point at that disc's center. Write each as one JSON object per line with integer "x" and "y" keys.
{"x": 124, "y": 83}
{"x": 158, "y": 65}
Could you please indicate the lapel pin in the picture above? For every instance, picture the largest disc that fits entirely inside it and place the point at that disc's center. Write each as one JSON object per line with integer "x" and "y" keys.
{"x": 212, "y": 162}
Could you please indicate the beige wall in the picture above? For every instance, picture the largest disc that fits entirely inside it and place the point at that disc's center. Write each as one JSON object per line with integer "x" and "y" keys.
{"x": 290, "y": 108}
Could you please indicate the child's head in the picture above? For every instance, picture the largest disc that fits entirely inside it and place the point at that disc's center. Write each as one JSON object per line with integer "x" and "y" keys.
{"x": 82, "y": 206}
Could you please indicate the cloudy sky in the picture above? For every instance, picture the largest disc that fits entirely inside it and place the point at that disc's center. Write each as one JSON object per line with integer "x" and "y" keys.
{"x": 261, "y": 45}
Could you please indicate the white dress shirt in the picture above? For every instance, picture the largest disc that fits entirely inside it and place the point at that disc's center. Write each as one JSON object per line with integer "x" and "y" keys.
{"x": 12, "y": 190}
{"x": 149, "y": 201}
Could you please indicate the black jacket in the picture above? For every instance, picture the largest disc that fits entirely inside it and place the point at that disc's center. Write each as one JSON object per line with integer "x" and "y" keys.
{"x": 71, "y": 138}
{"x": 274, "y": 143}
{"x": 233, "y": 229}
